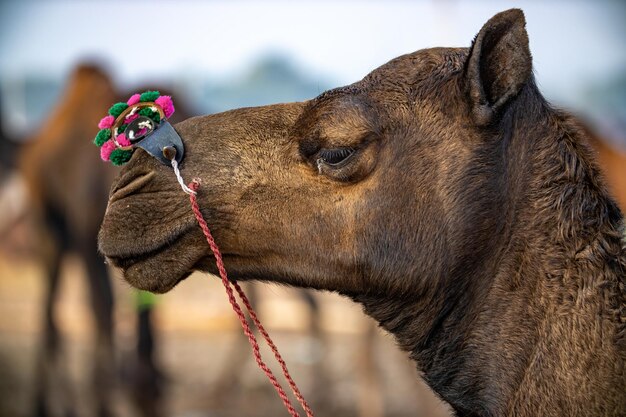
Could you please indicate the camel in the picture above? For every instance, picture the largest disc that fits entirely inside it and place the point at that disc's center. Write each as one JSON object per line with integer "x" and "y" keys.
{"x": 441, "y": 192}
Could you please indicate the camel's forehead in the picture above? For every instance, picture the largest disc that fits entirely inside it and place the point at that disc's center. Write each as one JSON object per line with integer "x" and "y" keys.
{"x": 423, "y": 68}
{"x": 394, "y": 80}
{"x": 422, "y": 62}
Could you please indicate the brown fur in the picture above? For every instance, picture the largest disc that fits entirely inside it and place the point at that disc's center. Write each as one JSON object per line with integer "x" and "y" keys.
{"x": 469, "y": 222}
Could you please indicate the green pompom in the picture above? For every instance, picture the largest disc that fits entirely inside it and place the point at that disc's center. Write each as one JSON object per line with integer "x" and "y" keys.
{"x": 102, "y": 136}
{"x": 122, "y": 128}
{"x": 117, "y": 109}
{"x": 120, "y": 156}
{"x": 147, "y": 112}
{"x": 149, "y": 96}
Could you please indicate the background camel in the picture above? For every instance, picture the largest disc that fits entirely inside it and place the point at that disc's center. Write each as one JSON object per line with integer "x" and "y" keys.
{"x": 442, "y": 193}
{"x": 66, "y": 208}
{"x": 67, "y": 187}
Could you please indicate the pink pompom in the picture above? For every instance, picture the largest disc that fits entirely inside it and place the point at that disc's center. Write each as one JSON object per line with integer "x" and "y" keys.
{"x": 165, "y": 102}
{"x": 106, "y": 149}
{"x": 123, "y": 140}
{"x": 134, "y": 99}
{"x": 106, "y": 122}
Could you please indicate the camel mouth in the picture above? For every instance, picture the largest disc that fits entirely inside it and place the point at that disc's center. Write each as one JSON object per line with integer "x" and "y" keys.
{"x": 157, "y": 270}
{"x": 122, "y": 250}
{"x": 125, "y": 262}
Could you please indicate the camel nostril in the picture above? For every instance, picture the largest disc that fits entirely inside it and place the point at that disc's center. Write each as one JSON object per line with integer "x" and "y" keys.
{"x": 129, "y": 184}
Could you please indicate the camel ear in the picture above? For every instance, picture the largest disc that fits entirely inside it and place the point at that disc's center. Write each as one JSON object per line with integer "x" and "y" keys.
{"x": 499, "y": 64}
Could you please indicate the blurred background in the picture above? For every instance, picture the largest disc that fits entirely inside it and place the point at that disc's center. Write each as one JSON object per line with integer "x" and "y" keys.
{"x": 75, "y": 340}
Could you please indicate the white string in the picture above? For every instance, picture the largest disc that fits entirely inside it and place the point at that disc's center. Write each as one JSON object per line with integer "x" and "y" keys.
{"x": 132, "y": 113}
{"x": 180, "y": 178}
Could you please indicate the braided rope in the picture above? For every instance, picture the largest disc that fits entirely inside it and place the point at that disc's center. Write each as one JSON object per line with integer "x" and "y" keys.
{"x": 228, "y": 285}
{"x": 179, "y": 178}
{"x": 270, "y": 343}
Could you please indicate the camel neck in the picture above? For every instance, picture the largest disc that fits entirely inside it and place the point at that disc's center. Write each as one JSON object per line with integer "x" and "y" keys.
{"x": 491, "y": 355}
{"x": 458, "y": 347}
{"x": 537, "y": 303}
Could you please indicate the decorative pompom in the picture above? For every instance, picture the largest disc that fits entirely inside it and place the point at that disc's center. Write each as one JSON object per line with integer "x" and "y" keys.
{"x": 120, "y": 157}
{"x": 148, "y": 112}
{"x": 111, "y": 148}
{"x": 149, "y": 96}
{"x": 106, "y": 149}
{"x": 134, "y": 99}
{"x": 117, "y": 109}
{"x": 166, "y": 104}
{"x": 123, "y": 140}
{"x": 102, "y": 136}
{"x": 106, "y": 122}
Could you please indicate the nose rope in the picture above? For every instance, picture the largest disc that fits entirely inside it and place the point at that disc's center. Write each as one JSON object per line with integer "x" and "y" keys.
{"x": 192, "y": 190}
{"x": 179, "y": 178}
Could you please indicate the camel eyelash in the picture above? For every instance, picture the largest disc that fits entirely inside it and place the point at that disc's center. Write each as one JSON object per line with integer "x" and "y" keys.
{"x": 335, "y": 156}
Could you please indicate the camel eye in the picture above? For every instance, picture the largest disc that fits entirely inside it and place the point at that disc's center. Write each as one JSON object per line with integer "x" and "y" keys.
{"x": 334, "y": 156}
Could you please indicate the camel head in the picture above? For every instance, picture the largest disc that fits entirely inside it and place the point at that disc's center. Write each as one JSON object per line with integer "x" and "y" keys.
{"x": 355, "y": 191}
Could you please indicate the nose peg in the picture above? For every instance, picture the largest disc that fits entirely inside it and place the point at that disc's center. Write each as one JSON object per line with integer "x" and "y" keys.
{"x": 169, "y": 152}
{"x": 164, "y": 144}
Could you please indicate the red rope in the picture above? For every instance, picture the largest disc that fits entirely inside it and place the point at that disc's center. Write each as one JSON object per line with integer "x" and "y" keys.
{"x": 228, "y": 285}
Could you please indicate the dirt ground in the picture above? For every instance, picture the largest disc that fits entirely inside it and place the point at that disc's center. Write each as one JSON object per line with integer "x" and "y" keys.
{"x": 200, "y": 347}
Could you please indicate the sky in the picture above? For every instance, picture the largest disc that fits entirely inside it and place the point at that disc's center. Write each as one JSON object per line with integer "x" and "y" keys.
{"x": 574, "y": 43}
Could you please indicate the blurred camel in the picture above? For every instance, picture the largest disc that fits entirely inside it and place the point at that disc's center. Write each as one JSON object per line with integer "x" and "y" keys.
{"x": 66, "y": 186}
{"x": 67, "y": 191}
